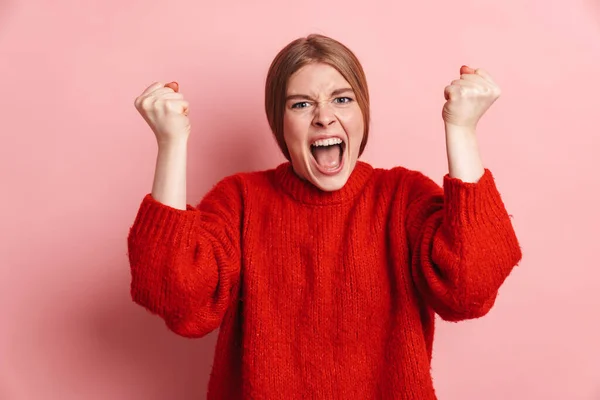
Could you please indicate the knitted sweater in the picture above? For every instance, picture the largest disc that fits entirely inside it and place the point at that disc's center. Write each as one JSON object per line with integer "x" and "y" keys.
{"x": 323, "y": 295}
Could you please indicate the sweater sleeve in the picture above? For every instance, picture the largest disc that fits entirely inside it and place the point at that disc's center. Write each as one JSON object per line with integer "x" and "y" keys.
{"x": 185, "y": 264}
{"x": 462, "y": 243}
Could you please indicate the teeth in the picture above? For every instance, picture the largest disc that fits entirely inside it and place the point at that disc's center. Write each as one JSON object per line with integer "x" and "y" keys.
{"x": 327, "y": 142}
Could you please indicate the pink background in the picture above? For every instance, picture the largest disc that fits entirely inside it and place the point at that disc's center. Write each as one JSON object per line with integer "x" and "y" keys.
{"x": 76, "y": 160}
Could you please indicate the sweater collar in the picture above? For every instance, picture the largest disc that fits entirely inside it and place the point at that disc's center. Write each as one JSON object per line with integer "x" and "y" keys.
{"x": 305, "y": 192}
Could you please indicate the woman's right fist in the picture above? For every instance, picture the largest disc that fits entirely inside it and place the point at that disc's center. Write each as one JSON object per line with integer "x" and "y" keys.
{"x": 165, "y": 111}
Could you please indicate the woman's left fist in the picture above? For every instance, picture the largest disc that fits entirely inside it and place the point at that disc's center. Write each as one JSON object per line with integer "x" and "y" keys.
{"x": 469, "y": 97}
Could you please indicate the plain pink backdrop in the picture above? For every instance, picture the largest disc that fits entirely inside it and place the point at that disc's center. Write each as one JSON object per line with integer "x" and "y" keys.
{"x": 76, "y": 160}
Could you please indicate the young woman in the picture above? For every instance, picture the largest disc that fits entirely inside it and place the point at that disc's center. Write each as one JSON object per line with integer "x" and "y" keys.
{"x": 324, "y": 274}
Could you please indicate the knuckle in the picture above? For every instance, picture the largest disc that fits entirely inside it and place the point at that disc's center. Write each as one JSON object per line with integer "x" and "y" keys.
{"x": 167, "y": 105}
{"x": 147, "y": 103}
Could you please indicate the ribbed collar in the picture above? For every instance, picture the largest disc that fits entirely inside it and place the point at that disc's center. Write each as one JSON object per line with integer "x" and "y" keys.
{"x": 305, "y": 192}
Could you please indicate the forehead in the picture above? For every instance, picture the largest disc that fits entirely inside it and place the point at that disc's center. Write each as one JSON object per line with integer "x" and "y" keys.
{"x": 316, "y": 78}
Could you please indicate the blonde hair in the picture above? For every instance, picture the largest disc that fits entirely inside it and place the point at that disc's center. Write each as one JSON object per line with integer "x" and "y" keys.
{"x": 314, "y": 48}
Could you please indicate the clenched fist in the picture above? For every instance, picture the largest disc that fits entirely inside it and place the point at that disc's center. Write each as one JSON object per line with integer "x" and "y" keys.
{"x": 166, "y": 112}
{"x": 469, "y": 97}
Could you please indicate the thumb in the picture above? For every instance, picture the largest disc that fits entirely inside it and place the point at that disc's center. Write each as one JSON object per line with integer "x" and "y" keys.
{"x": 173, "y": 85}
{"x": 466, "y": 70}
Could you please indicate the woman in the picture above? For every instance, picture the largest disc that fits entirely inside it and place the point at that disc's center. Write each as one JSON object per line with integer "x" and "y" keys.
{"x": 324, "y": 274}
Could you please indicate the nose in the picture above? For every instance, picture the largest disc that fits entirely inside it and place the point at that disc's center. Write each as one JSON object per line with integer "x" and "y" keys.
{"x": 324, "y": 116}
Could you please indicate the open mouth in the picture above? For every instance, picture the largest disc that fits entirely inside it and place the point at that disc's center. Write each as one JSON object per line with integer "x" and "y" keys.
{"x": 328, "y": 154}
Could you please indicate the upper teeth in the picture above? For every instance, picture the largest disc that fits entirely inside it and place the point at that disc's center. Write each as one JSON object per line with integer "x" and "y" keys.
{"x": 327, "y": 142}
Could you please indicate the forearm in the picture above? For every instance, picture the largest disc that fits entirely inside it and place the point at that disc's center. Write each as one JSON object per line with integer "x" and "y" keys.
{"x": 464, "y": 159}
{"x": 169, "y": 185}
{"x": 185, "y": 264}
{"x": 463, "y": 243}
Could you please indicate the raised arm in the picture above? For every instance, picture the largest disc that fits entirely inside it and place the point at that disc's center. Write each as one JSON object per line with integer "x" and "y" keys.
{"x": 185, "y": 261}
{"x": 185, "y": 264}
{"x": 462, "y": 243}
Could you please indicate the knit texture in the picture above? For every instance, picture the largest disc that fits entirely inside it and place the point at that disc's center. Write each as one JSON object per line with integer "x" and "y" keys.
{"x": 323, "y": 295}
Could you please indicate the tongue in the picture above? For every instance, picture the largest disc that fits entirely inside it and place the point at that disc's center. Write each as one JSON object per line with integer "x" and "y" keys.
{"x": 328, "y": 156}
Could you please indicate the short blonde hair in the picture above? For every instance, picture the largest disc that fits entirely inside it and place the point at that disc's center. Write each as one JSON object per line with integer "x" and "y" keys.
{"x": 314, "y": 48}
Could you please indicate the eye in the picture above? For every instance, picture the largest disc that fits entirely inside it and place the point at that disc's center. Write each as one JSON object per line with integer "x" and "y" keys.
{"x": 343, "y": 100}
{"x": 302, "y": 104}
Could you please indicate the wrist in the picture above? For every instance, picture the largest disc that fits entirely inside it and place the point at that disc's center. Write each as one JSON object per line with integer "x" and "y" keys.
{"x": 172, "y": 145}
{"x": 464, "y": 159}
{"x": 463, "y": 130}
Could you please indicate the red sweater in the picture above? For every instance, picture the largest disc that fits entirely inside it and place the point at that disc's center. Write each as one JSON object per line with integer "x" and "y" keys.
{"x": 323, "y": 295}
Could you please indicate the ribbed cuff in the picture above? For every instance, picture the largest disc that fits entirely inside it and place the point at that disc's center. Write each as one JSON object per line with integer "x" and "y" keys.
{"x": 473, "y": 203}
{"x": 158, "y": 225}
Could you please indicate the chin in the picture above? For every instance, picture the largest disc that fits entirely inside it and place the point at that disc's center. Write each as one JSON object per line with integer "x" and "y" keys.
{"x": 330, "y": 184}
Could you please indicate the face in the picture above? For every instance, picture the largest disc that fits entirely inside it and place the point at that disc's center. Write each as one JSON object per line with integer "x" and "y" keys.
{"x": 323, "y": 126}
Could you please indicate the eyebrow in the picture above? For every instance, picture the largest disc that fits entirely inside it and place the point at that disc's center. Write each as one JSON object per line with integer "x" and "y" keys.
{"x": 336, "y": 92}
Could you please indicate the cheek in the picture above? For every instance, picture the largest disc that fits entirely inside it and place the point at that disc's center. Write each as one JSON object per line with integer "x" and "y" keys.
{"x": 353, "y": 122}
{"x": 288, "y": 128}
{"x": 294, "y": 128}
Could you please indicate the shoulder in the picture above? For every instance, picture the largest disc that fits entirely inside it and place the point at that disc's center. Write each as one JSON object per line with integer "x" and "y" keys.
{"x": 403, "y": 177}
{"x": 230, "y": 193}
{"x": 245, "y": 182}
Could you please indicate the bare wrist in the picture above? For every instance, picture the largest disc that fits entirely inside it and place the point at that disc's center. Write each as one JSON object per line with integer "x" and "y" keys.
{"x": 172, "y": 145}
